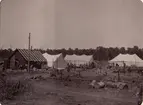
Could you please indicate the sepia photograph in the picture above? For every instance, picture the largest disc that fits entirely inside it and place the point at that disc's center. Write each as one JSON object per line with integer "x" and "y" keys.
{"x": 71, "y": 52}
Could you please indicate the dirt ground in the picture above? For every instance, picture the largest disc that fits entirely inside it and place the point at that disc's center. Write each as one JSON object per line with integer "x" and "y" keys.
{"x": 54, "y": 92}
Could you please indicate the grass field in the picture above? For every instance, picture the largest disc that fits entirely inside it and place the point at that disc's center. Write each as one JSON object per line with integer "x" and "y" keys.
{"x": 49, "y": 91}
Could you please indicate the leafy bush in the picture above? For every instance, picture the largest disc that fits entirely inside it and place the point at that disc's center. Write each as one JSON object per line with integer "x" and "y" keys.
{"x": 12, "y": 88}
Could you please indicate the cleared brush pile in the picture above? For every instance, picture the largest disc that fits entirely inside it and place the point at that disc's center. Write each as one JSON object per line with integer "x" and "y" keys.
{"x": 10, "y": 88}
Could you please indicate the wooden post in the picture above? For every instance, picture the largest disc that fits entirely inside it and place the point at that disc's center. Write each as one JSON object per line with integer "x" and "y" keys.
{"x": 29, "y": 52}
{"x": 0, "y": 20}
{"x": 118, "y": 74}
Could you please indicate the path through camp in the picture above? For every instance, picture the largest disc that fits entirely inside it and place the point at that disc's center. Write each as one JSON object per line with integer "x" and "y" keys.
{"x": 53, "y": 92}
{"x": 80, "y": 92}
{"x": 46, "y": 93}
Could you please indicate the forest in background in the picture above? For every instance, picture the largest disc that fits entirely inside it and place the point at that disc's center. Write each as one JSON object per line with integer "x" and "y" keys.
{"x": 100, "y": 53}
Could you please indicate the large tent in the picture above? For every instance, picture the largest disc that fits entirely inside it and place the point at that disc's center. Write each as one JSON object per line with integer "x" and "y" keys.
{"x": 79, "y": 59}
{"x": 129, "y": 60}
{"x": 55, "y": 61}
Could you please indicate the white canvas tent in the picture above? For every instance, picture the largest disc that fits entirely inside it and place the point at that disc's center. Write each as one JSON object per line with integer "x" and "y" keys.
{"x": 79, "y": 59}
{"x": 55, "y": 61}
{"x": 129, "y": 60}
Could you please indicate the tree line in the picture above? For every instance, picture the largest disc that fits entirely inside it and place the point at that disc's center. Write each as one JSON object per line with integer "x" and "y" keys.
{"x": 100, "y": 53}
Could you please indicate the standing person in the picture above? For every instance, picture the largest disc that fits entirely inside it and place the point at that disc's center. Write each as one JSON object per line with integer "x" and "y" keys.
{"x": 124, "y": 67}
{"x": 68, "y": 70}
{"x": 118, "y": 69}
{"x": 139, "y": 95}
{"x": 3, "y": 68}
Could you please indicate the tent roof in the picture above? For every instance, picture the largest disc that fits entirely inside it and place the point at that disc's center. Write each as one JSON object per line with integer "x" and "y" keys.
{"x": 35, "y": 56}
{"x": 126, "y": 58}
{"x": 51, "y": 58}
{"x": 74, "y": 57}
{"x": 56, "y": 61}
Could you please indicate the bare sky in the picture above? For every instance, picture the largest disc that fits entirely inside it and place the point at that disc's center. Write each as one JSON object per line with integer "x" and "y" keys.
{"x": 72, "y": 23}
{"x": 19, "y": 17}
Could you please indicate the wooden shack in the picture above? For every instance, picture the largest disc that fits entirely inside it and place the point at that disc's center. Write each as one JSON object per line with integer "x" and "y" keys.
{"x": 19, "y": 59}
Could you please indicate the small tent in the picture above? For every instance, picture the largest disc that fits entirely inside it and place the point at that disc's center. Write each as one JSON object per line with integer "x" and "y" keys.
{"x": 79, "y": 59}
{"x": 60, "y": 63}
{"x": 129, "y": 60}
{"x": 56, "y": 61}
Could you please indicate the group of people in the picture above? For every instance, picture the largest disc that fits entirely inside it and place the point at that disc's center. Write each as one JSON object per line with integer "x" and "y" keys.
{"x": 90, "y": 65}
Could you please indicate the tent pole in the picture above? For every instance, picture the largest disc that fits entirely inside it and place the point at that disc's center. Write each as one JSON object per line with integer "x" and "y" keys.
{"x": 57, "y": 63}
